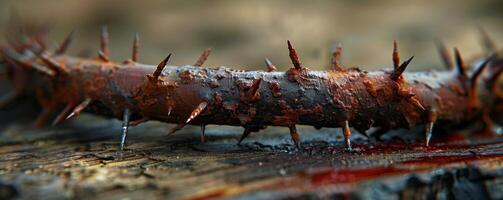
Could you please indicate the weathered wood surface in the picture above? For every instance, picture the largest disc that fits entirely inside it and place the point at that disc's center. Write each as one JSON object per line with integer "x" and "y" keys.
{"x": 79, "y": 159}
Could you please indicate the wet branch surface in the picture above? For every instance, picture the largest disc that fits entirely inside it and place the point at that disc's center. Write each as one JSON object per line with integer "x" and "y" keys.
{"x": 80, "y": 159}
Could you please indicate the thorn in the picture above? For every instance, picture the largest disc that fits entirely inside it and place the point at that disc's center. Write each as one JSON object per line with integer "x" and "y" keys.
{"x": 493, "y": 80}
{"x": 480, "y": 69}
{"x": 432, "y": 118}
{"x": 203, "y": 129}
{"x": 459, "y": 63}
{"x": 395, "y": 56}
{"x": 160, "y": 67}
{"x": 53, "y": 64}
{"x": 79, "y": 108}
{"x": 488, "y": 43}
{"x": 416, "y": 102}
{"x": 64, "y": 45}
{"x": 245, "y": 134}
{"x": 104, "y": 42}
{"x": 254, "y": 92}
{"x": 136, "y": 48}
{"x": 139, "y": 121}
{"x": 473, "y": 101}
{"x": 444, "y": 54}
{"x": 62, "y": 115}
{"x": 13, "y": 58}
{"x": 169, "y": 110}
{"x": 295, "y": 136}
{"x": 294, "y": 57}
{"x": 175, "y": 129}
{"x": 347, "y": 135}
{"x": 125, "y": 126}
{"x": 102, "y": 56}
{"x": 336, "y": 57}
{"x": 398, "y": 71}
{"x": 270, "y": 66}
{"x": 200, "y": 108}
{"x": 204, "y": 56}
{"x": 42, "y": 118}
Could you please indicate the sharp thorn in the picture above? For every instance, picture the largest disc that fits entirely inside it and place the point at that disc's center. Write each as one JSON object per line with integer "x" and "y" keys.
{"x": 169, "y": 110}
{"x": 200, "y": 108}
{"x": 62, "y": 115}
{"x": 487, "y": 42}
{"x": 79, "y": 108}
{"x": 102, "y": 56}
{"x": 493, "y": 80}
{"x": 160, "y": 67}
{"x": 42, "y": 118}
{"x": 459, "y": 63}
{"x": 125, "y": 126}
{"x": 444, "y": 54}
{"x": 398, "y": 71}
{"x": 64, "y": 45}
{"x": 245, "y": 134}
{"x": 347, "y": 135}
{"x": 204, "y": 56}
{"x": 336, "y": 57}
{"x": 396, "y": 56}
{"x": 53, "y": 64}
{"x": 480, "y": 69}
{"x": 254, "y": 92}
{"x": 294, "y": 57}
{"x": 473, "y": 98}
{"x": 203, "y": 134}
{"x": 139, "y": 121}
{"x": 175, "y": 129}
{"x": 270, "y": 66}
{"x": 432, "y": 118}
{"x": 135, "y": 57}
{"x": 104, "y": 41}
{"x": 294, "y": 134}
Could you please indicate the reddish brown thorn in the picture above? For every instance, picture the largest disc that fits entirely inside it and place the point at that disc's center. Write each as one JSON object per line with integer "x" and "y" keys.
{"x": 204, "y": 56}
{"x": 64, "y": 46}
{"x": 104, "y": 41}
{"x": 336, "y": 58}
{"x": 444, "y": 54}
{"x": 347, "y": 135}
{"x": 62, "y": 115}
{"x": 398, "y": 71}
{"x": 175, "y": 129}
{"x": 200, "y": 108}
{"x": 135, "y": 57}
{"x": 245, "y": 134}
{"x": 102, "y": 56}
{"x": 254, "y": 92}
{"x": 139, "y": 121}
{"x": 203, "y": 134}
{"x": 395, "y": 56}
{"x": 13, "y": 59}
{"x": 294, "y": 57}
{"x": 432, "y": 118}
{"x": 159, "y": 68}
{"x": 270, "y": 66}
{"x": 459, "y": 63}
{"x": 487, "y": 41}
{"x": 295, "y": 135}
{"x": 42, "y": 117}
{"x": 79, "y": 108}
{"x": 53, "y": 64}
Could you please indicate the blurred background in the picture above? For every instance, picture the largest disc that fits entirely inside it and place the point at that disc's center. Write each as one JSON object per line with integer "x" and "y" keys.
{"x": 242, "y": 33}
